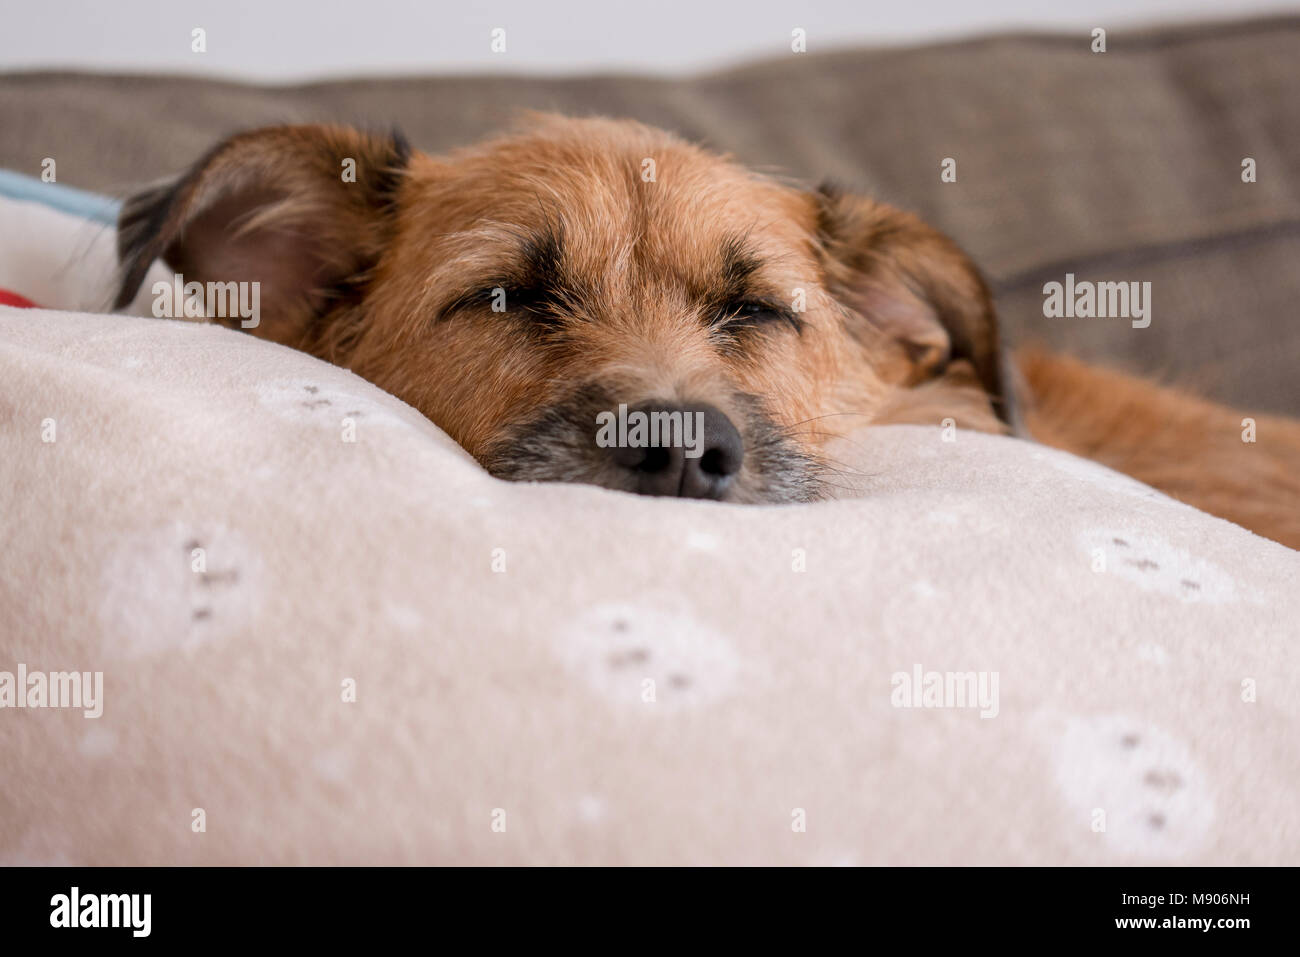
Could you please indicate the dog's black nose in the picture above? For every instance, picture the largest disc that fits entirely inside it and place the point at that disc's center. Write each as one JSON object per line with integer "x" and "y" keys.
{"x": 692, "y": 451}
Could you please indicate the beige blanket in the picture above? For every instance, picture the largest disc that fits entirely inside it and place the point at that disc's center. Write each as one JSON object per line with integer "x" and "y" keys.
{"x": 327, "y": 636}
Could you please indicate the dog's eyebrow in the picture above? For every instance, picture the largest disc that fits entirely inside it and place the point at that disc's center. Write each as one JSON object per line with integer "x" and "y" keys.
{"x": 543, "y": 284}
{"x": 739, "y": 263}
{"x": 734, "y": 280}
{"x": 542, "y": 257}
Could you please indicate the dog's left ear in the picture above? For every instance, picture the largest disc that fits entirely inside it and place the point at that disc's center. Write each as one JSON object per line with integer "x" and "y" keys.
{"x": 305, "y": 211}
{"x": 914, "y": 285}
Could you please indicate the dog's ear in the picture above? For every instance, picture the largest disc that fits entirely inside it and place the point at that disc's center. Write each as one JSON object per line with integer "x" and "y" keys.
{"x": 305, "y": 211}
{"x": 913, "y": 284}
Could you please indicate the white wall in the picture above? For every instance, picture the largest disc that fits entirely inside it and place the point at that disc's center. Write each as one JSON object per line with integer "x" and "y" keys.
{"x": 301, "y": 39}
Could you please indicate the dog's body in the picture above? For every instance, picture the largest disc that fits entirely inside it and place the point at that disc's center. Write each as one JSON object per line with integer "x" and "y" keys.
{"x": 514, "y": 291}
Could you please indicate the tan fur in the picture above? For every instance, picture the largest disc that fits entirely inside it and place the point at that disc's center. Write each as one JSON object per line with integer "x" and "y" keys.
{"x": 898, "y": 325}
{"x": 1174, "y": 441}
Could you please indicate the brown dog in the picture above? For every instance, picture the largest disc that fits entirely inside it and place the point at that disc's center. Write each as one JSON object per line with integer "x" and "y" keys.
{"x": 515, "y": 290}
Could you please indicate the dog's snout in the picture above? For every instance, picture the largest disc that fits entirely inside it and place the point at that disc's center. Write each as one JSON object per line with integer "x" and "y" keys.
{"x": 689, "y": 451}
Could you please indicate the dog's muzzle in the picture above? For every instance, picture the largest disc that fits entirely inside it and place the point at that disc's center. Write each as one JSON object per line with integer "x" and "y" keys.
{"x": 706, "y": 471}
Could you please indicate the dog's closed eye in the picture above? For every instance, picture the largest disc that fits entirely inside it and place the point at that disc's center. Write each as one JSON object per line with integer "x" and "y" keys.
{"x": 541, "y": 301}
{"x": 755, "y": 313}
{"x": 533, "y": 282}
{"x": 537, "y": 302}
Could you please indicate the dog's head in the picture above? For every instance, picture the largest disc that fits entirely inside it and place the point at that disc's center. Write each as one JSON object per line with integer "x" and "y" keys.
{"x": 590, "y": 300}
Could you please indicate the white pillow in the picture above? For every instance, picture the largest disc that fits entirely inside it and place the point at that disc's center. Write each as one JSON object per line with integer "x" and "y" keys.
{"x": 58, "y": 246}
{"x": 563, "y": 674}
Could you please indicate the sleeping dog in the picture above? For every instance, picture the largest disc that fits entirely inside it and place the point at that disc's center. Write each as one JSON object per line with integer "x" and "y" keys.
{"x": 517, "y": 291}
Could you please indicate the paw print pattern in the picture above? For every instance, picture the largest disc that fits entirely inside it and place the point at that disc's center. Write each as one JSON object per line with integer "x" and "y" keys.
{"x": 1155, "y": 565}
{"x": 1155, "y": 798}
{"x": 639, "y": 656}
{"x": 177, "y": 587}
{"x": 308, "y": 402}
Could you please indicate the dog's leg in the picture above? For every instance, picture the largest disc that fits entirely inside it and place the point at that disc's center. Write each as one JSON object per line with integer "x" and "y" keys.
{"x": 1237, "y": 465}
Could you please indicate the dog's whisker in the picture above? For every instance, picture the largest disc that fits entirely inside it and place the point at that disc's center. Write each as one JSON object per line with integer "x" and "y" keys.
{"x": 829, "y": 415}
